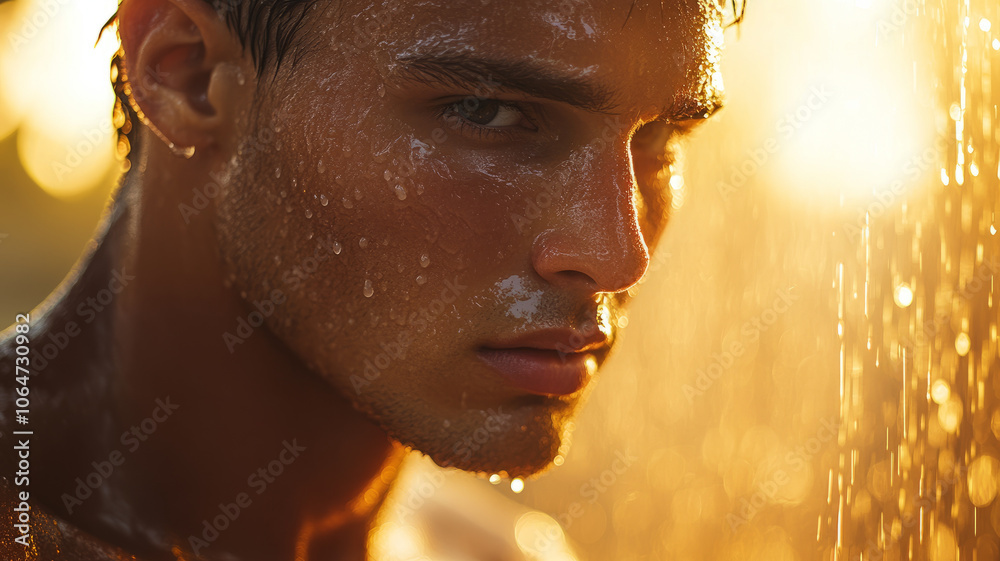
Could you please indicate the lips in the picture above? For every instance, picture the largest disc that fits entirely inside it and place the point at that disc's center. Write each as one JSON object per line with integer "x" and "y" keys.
{"x": 547, "y": 362}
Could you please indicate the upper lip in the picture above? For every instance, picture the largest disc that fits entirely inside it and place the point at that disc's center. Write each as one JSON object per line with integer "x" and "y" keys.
{"x": 565, "y": 340}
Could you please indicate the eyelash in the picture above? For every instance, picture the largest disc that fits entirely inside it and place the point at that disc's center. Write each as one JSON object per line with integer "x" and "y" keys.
{"x": 447, "y": 111}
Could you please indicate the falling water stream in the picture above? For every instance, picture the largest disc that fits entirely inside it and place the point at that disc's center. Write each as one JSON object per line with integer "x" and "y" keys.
{"x": 918, "y": 471}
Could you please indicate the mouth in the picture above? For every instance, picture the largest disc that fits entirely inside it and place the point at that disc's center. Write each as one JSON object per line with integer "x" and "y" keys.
{"x": 554, "y": 362}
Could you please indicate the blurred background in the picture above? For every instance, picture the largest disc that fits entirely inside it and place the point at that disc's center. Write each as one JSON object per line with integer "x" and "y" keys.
{"x": 810, "y": 368}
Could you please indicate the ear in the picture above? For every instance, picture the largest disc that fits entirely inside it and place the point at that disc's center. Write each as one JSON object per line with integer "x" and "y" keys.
{"x": 185, "y": 68}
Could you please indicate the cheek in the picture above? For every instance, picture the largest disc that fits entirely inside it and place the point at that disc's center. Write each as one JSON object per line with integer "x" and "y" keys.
{"x": 359, "y": 239}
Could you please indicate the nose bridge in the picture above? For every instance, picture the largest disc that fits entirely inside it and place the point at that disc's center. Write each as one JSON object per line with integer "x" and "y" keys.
{"x": 595, "y": 236}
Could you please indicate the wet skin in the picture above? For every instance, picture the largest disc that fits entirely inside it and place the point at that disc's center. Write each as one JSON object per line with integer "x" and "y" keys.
{"x": 436, "y": 212}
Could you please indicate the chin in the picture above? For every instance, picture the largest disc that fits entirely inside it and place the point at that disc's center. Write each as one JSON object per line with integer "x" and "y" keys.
{"x": 519, "y": 440}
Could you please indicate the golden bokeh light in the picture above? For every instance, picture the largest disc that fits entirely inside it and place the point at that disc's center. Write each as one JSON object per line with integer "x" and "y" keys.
{"x": 984, "y": 476}
{"x": 55, "y": 91}
{"x": 940, "y": 391}
{"x": 903, "y": 296}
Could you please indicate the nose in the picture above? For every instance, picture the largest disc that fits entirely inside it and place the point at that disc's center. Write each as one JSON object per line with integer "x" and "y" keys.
{"x": 593, "y": 241}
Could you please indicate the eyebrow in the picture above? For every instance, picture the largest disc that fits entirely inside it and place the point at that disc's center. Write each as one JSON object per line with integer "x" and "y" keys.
{"x": 529, "y": 77}
{"x": 525, "y": 76}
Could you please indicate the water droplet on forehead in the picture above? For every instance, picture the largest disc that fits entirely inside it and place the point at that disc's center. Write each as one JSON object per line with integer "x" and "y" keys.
{"x": 277, "y": 172}
{"x": 336, "y": 248}
{"x": 323, "y": 200}
{"x": 421, "y": 279}
{"x": 320, "y": 167}
{"x": 309, "y": 213}
{"x": 425, "y": 260}
{"x": 348, "y": 203}
{"x": 363, "y": 243}
{"x": 400, "y": 192}
{"x": 368, "y": 290}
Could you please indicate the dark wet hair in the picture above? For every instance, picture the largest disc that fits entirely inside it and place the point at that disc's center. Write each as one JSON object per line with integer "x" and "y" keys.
{"x": 266, "y": 28}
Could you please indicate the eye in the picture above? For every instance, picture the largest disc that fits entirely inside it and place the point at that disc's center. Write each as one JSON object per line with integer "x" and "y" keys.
{"x": 487, "y": 112}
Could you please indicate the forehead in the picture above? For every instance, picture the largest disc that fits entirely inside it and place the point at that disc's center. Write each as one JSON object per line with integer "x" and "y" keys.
{"x": 645, "y": 53}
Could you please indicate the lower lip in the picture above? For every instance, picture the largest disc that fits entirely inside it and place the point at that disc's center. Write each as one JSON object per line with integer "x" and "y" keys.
{"x": 539, "y": 371}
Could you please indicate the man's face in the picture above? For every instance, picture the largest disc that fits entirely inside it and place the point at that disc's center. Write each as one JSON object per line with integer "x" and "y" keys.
{"x": 452, "y": 199}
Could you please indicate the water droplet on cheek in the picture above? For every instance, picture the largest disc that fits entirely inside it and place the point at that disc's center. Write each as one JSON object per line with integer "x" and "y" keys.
{"x": 277, "y": 172}
{"x": 336, "y": 248}
{"x": 309, "y": 213}
{"x": 363, "y": 243}
{"x": 348, "y": 203}
{"x": 320, "y": 167}
{"x": 400, "y": 192}
{"x": 425, "y": 260}
{"x": 421, "y": 279}
{"x": 323, "y": 200}
{"x": 368, "y": 289}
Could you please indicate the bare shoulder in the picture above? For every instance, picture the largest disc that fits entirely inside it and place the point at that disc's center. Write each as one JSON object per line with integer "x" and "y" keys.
{"x": 48, "y": 538}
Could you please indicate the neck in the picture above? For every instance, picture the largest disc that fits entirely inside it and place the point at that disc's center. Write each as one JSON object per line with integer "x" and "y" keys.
{"x": 236, "y": 454}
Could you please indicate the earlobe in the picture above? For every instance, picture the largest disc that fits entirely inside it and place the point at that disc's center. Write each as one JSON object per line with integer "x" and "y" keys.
{"x": 178, "y": 54}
